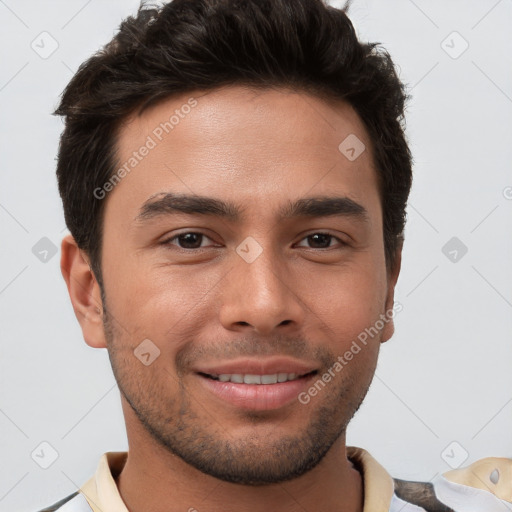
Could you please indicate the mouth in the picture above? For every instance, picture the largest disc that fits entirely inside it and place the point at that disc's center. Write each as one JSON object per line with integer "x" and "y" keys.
{"x": 257, "y": 385}
{"x": 258, "y": 379}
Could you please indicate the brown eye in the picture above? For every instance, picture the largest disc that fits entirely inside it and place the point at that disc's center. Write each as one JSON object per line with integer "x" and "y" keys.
{"x": 321, "y": 240}
{"x": 188, "y": 240}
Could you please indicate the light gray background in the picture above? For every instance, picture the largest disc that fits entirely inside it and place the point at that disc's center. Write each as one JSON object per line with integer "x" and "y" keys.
{"x": 446, "y": 374}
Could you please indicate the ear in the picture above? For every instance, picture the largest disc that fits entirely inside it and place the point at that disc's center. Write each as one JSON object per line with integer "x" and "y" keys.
{"x": 84, "y": 292}
{"x": 389, "y": 326}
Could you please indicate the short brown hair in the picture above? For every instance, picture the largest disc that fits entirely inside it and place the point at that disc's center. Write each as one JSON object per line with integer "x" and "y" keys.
{"x": 188, "y": 45}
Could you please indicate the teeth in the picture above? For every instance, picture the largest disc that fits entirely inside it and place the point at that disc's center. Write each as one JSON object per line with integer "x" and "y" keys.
{"x": 239, "y": 378}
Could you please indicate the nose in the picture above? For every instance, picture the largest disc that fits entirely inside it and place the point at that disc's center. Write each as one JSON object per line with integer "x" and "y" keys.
{"x": 261, "y": 296}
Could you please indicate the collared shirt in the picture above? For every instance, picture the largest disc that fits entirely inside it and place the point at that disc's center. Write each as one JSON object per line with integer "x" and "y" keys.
{"x": 485, "y": 485}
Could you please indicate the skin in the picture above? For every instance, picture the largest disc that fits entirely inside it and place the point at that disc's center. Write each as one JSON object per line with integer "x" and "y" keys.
{"x": 259, "y": 150}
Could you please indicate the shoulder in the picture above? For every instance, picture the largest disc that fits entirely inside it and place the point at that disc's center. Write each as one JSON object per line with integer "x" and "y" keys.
{"x": 421, "y": 494}
{"x": 486, "y": 483}
{"x": 75, "y": 502}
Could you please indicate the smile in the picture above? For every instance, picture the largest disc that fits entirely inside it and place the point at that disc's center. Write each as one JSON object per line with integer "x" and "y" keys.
{"x": 255, "y": 391}
{"x": 249, "y": 378}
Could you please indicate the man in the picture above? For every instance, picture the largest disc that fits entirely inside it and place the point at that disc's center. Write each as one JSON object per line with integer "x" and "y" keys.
{"x": 234, "y": 177}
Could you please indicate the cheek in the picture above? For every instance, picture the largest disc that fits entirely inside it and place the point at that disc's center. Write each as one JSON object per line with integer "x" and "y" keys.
{"x": 347, "y": 299}
{"x": 157, "y": 301}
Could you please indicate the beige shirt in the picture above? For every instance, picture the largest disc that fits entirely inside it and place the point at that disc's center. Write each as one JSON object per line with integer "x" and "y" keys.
{"x": 102, "y": 494}
{"x": 485, "y": 485}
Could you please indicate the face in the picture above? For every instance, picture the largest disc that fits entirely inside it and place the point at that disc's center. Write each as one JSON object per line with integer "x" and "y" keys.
{"x": 243, "y": 243}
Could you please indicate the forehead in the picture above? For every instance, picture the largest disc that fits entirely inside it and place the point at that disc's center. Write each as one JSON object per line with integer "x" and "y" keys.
{"x": 254, "y": 147}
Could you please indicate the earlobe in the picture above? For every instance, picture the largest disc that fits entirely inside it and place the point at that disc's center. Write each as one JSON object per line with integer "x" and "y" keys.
{"x": 84, "y": 292}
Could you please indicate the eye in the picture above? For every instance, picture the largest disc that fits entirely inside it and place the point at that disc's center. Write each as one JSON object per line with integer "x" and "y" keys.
{"x": 191, "y": 240}
{"x": 321, "y": 241}
{"x": 188, "y": 240}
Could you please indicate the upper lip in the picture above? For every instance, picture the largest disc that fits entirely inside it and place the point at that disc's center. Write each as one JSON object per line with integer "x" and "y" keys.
{"x": 262, "y": 366}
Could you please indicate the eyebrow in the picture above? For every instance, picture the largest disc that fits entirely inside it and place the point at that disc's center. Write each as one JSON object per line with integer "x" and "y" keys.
{"x": 165, "y": 204}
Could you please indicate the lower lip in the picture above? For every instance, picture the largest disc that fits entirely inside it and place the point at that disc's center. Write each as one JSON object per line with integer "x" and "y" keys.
{"x": 257, "y": 397}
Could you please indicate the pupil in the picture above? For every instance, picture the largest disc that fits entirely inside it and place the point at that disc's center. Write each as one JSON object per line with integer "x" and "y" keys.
{"x": 320, "y": 239}
{"x": 190, "y": 239}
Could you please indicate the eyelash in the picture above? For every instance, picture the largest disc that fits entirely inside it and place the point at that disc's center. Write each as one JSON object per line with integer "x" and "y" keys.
{"x": 175, "y": 237}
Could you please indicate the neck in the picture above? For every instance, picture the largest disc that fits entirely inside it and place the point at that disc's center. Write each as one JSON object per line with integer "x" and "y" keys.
{"x": 155, "y": 479}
